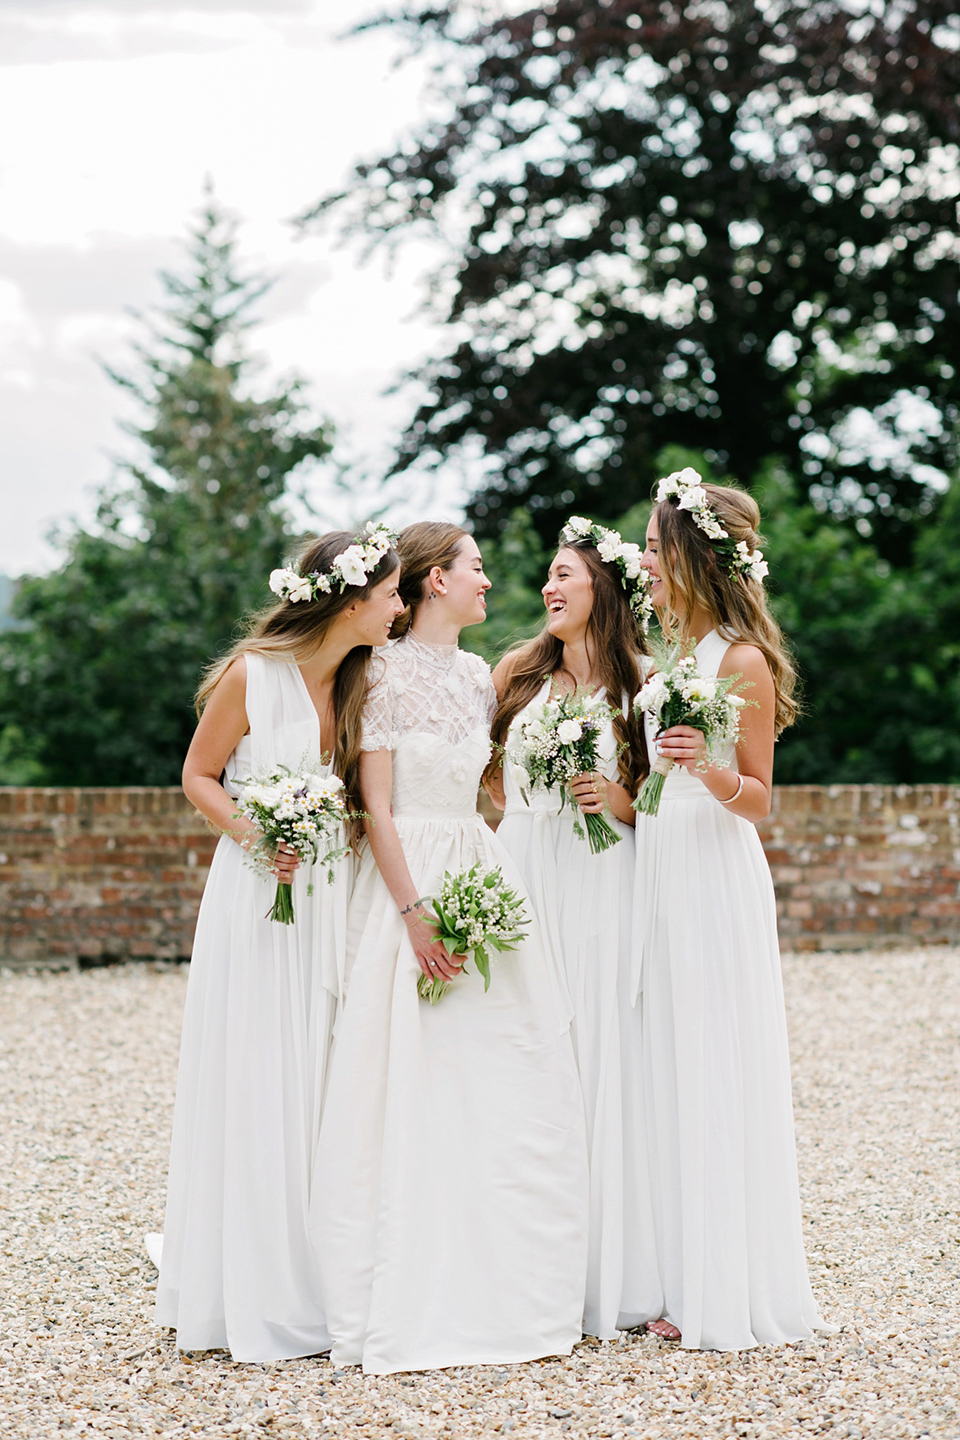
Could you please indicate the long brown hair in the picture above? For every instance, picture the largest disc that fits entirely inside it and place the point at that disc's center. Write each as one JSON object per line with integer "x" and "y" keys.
{"x": 695, "y": 575}
{"x": 420, "y": 547}
{"x": 294, "y": 632}
{"x": 618, "y": 647}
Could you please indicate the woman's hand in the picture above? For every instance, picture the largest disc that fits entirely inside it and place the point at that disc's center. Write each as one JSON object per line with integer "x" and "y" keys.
{"x": 432, "y": 957}
{"x": 285, "y": 862}
{"x": 590, "y": 792}
{"x": 683, "y": 745}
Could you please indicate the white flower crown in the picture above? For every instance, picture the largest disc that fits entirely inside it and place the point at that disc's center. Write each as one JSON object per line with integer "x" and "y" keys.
{"x": 686, "y": 487}
{"x": 350, "y": 567}
{"x": 613, "y": 550}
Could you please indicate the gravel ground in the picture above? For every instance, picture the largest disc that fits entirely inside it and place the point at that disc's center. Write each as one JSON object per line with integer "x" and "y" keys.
{"x": 88, "y": 1065}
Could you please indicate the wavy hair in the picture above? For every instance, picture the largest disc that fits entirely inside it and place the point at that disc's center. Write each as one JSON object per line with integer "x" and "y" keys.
{"x": 694, "y": 575}
{"x": 618, "y": 646}
{"x": 294, "y": 632}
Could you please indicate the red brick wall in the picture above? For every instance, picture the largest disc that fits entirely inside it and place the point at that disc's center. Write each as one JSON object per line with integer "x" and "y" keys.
{"x": 91, "y": 875}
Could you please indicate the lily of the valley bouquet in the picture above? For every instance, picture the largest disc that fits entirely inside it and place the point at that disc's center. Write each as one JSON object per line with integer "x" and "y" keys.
{"x": 558, "y": 741}
{"x": 475, "y": 912}
{"x": 306, "y": 811}
{"x": 678, "y": 694}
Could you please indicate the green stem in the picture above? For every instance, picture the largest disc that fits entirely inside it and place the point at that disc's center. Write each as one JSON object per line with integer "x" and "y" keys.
{"x": 282, "y": 905}
{"x": 600, "y": 833}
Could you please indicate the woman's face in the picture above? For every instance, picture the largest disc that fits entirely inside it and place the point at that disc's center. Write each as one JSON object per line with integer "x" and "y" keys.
{"x": 568, "y": 596}
{"x": 464, "y": 585}
{"x": 650, "y": 560}
{"x": 376, "y": 612}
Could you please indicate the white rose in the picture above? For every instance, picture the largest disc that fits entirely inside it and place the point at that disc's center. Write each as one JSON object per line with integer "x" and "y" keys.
{"x": 630, "y": 558}
{"x": 281, "y": 580}
{"x": 350, "y": 565}
{"x": 609, "y": 547}
{"x": 569, "y": 731}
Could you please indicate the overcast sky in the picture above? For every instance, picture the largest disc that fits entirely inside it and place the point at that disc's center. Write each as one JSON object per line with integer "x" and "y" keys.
{"x": 111, "y": 115}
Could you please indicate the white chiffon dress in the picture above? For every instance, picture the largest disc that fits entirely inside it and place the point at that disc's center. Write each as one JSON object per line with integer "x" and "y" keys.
{"x": 449, "y": 1214}
{"x": 707, "y": 1060}
{"x": 237, "y": 1269}
{"x": 584, "y": 904}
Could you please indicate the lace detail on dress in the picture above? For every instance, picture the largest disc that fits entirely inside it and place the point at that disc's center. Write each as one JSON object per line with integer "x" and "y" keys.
{"x": 437, "y": 690}
{"x": 432, "y": 706}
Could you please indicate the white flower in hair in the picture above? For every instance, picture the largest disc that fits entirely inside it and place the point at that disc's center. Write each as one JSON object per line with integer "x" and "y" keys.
{"x": 694, "y": 497}
{"x": 577, "y": 525}
{"x": 630, "y": 560}
{"x": 609, "y": 547}
{"x": 351, "y": 565}
{"x": 291, "y": 586}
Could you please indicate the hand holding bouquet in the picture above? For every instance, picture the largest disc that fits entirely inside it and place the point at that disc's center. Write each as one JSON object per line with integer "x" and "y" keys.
{"x": 475, "y": 912}
{"x": 304, "y": 812}
{"x": 678, "y": 694}
{"x": 557, "y": 742}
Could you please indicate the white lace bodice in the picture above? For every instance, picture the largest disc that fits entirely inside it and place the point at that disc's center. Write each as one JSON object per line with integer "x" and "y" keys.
{"x": 431, "y": 705}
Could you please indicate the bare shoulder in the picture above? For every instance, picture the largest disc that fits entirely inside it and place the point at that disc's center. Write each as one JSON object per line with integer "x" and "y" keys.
{"x": 748, "y": 661}
{"x": 231, "y": 688}
{"x": 504, "y": 668}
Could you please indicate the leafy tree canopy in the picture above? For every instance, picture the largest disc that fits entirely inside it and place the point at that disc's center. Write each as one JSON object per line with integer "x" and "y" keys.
{"x": 96, "y": 686}
{"x": 724, "y": 222}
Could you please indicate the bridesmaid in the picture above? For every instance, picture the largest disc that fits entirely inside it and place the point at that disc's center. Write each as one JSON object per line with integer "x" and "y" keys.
{"x": 237, "y": 1270}
{"x": 592, "y": 642}
{"x": 450, "y": 1207}
{"x": 707, "y": 1042}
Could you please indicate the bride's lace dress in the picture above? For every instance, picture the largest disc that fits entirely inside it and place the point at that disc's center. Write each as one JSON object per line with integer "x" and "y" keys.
{"x": 449, "y": 1212}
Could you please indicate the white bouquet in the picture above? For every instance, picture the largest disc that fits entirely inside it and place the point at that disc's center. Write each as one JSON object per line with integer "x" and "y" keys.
{"x": 678, "y": 694}
{"x": 306, "y": 811}
{"x": 558, "y": 741}
{"x": 474, "y": 912}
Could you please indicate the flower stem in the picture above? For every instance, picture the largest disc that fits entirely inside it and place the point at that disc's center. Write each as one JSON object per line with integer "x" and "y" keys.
{"x": 282, "y": 905}
{"x": 648, "y": 801}
{"x": 431, "y": 989}
{"x": 600, "y": 833}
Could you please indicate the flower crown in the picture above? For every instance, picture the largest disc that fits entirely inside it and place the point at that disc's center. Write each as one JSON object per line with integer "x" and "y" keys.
{"x": 686, "y": 488}
{"x": 350, "y": 567}
{"x": 613, "y": 550}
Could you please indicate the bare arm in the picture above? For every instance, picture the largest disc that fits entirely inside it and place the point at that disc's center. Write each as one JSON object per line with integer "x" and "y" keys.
{"x": 494, "y": 786}
{"x": 754, "y": 748}
{"x": 376, "y": 788}
{"x": 222, "y": 726}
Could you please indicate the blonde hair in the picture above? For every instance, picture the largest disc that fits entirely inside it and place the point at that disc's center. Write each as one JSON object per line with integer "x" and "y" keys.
{"x": 420, "y": 547}
{"x": 695, "y": 575}
{"x": 294, "y": 632}
{"x": 618, "y": 646}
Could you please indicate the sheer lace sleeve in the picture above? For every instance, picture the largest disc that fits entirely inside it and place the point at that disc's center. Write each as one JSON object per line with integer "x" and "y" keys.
{"x": 378, "y": 721}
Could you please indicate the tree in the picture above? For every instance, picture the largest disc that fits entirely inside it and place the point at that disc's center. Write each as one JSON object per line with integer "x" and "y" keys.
{"x": 100, "y": 678}
{"x": 727, "y": 223}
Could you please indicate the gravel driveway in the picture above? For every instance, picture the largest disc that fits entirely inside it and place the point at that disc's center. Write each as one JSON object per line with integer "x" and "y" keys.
{"x": 88, "y": 1064}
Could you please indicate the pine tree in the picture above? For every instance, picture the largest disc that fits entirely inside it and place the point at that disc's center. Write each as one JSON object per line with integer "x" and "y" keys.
{"x": 100, "y": 679}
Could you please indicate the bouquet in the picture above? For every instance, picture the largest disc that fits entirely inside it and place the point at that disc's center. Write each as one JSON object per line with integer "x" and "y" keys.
{"x": 677, "y": 694}
{"x": 306, "y": 811}
{"x": 557, "y": 742}
{"x": 475, "y": 912}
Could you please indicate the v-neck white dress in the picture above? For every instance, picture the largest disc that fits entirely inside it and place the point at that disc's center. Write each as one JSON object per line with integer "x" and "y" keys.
{"x": 237, "y": 1269}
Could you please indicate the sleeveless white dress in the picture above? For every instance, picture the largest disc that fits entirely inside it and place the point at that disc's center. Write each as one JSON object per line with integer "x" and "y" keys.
{"x": 584, "y": 904}
{"x": 450, "y": 1213}
{"x": 706, "y": 1051}
{"x": 237, "y": 1269}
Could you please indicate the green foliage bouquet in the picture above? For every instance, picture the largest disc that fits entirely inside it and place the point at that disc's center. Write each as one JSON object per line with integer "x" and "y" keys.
{"x": 558, "y": 741}
{"x": 475, "y": 912}
{"x": 305, "y": 811}
{"x": 678, "y": 694}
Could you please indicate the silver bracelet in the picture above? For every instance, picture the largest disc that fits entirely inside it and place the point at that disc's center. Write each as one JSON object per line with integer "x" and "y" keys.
{"x": 414, "y": 905}
{"x": 735, "y": 795}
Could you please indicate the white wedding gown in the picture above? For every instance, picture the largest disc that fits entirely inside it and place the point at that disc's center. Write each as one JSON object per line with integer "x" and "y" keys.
{"x": 449, "y": 1213}
{"x": 237, "y": 1269}
{"x": 584, "y": 903}
{"x": 706, "y": 1053}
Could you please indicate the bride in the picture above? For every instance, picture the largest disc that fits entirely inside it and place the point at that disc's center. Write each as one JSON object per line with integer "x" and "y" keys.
{"x": 449, "y": 1213}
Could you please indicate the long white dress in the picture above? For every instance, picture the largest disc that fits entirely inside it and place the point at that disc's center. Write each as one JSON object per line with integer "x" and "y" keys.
{"x": 706, "y": 1054}
{"x": 450, "y": 1220}
{"x": 237, "y": 1269}
{"x": 584, "y": 903}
